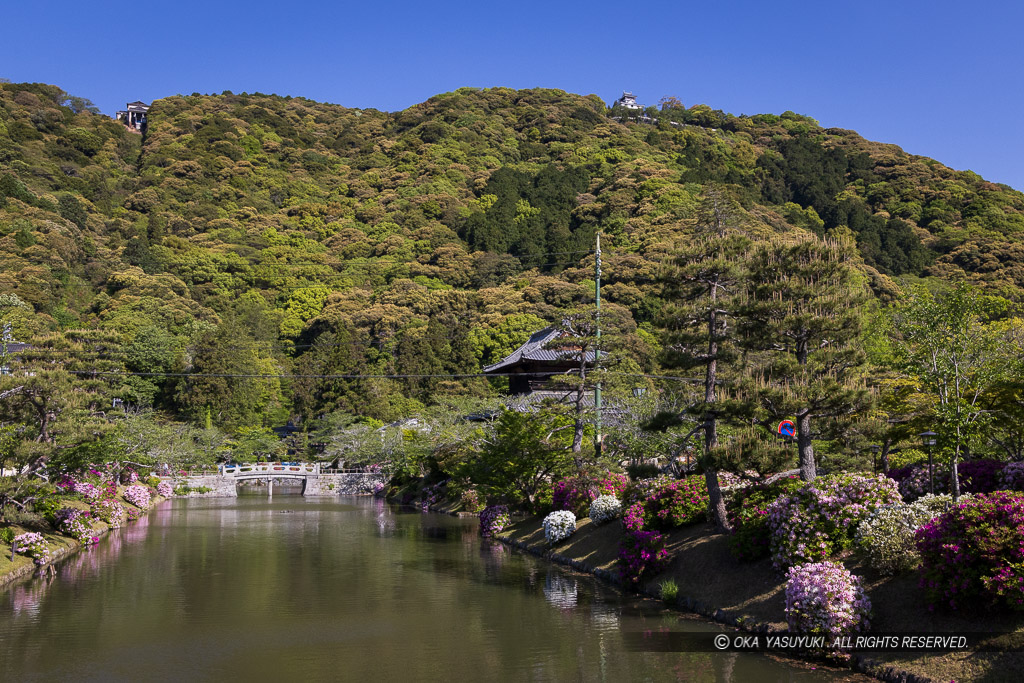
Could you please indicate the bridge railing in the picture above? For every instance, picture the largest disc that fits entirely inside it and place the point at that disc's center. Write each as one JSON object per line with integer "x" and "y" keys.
{"x": 270, "y": 468}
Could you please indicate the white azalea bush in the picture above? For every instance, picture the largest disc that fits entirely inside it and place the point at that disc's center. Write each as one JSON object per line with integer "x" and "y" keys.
{"x": 824, "y": 598}
{"x": 559, "y": 525}
{"x": 887, "y": 536}
{"x": 605, "y": 509}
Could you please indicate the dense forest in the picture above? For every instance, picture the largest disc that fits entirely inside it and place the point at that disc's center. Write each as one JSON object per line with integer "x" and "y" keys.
{"x": 250, "y": 259}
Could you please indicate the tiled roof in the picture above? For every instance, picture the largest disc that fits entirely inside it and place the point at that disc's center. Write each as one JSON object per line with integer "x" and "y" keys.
{"x": 533, "y": 350}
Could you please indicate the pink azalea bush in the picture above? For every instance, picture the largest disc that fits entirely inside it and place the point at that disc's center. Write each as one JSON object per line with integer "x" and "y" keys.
{"x": 973, "y": 554}
{"x": 819, "y": 519}
{"x": 470, "y": 501}
{"x": 138, "y": 495}
{"x": 670, "y": 505}
{"x": 642, "y": 554}
{"x": 164, "y": 489}
{"x": 824, "y": 598}
{"x": 111, "y": 512}
{"x": 613, "y": 484}
{"x": 32, "y": 544}
{"x": 76, "y": 524}
{"x": 88, "y": 491}
{"x": 574, "y": 494}
{"x": 493, "y": 519}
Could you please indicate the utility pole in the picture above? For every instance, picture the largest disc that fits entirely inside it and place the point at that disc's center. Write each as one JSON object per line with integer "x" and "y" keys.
{"x": 597, "y": 348}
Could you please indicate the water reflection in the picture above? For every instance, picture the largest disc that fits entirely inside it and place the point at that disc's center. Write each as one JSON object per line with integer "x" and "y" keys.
{"x": 560, "y": 590}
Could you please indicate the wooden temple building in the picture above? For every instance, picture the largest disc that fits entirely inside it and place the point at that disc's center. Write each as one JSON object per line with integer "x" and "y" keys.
{"x": 531, "y": 365}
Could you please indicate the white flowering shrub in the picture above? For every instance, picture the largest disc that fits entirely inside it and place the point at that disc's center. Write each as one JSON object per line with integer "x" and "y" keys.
{"x": 559, "y": 525}
{"x": 605, "y": 509}
{"x": 824, "y": 598}
{"x": 887, "y": 536}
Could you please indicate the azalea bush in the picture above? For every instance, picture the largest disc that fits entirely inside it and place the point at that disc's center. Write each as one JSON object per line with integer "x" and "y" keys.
{"x": 1011, "y": 478}
{"x": 980, "y": 476}
{"x": 819, "y": 519}
{"x": 605, "y": 509}
{"x": 887, "y": 537}
{"x": 111, "y": 512}
{"x": 747, "y": 512}
{"x": 613, "y": 484}
{"x": 138, "y": 495}
{"x": 32, "y": 544}
{"x": 641, "y": 489}
{"x": 493, "y": 519}
{"x": 470, "y": 501}
{"x": 559, "y": 525}
{"x": 76, "y": 524}
{"x": 642, "y": 554}
{"x": 574, "y": 494}
{"x": 824, "y": 598}
{"x": 973, "y": 554}
{"x": 164, "y": 489}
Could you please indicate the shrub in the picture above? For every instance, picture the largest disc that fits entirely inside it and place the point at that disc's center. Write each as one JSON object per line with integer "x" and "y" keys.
{"x": 111, "y": 512}
{"x": 493, "y": 519}
{"x": 75, "y": 523}
{"x": 825, "y": 599}
{"x": 7, "y": 535}
{"x": 974, "y": 553}
{"x": 32, "y": 544}
{"x": 574, "y": 494}
{"x": 641, "y": 554}
{"x": 980, "y": 476}
{"x": 642, "y": 489}
{"x": 669, "y": 590}
{"x": 748, "y": 516}
{"x": 605, "y": 509}
{"x": 89, "y": 492}
{"x": 682, "y": 502}
{"x": 138, "y": 495}
{"x": 559, "y": 525}
{"x": 613, "y": 484}
{"x": 819, "y": 519}
{"x": 887, "y": 536}
{"x": 1012, "y": 477}
{"x": 470, "y": 501}
{"x": 642, "y": 471}
{"x": 918, "y": 482}
{"x": 164, "y": 489}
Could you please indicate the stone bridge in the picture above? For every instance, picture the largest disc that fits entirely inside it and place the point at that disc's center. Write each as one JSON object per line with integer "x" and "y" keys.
{"x": 316, "y": 481}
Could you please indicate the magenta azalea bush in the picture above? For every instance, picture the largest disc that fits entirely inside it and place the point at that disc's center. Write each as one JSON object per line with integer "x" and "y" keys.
{"x": 747, "y": 512}
{"x": 164, "y": 489}
{"x": 980, "y": 476}
{"x": 493, "y": 519}
{"x": 574, "y": 494}
{"x": 613, "y": 484}
{"x": 76, "y": 524}
{"x": 824, "y": 598}
{"x": 138, "y": 495}
{"x": 470, "y": 501}
{"x": 670, "y": 505}
{"x": 642, "y": 554}
{"x": 819, "y": 519}
{"x": 973, "y": 554}
{"x": 32, "y": 544}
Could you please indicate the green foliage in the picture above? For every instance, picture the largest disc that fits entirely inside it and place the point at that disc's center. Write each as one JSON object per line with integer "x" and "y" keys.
{"x": 748, "y": 517}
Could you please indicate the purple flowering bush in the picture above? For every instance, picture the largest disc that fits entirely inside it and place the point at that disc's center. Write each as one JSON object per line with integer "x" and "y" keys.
{"x": 574, "y": 494}
{"x": 747, "y": 512}
{"x": 642, "y": 554}
{"x": 974, "y": 553}
{"x": 493, "y": 519}
{"x": 138, "y": 495}
{"x": 980, "y": 476}
{"x": 824, "y": 598}
{"x": 32, "y": 544}
{"x": 1011, "y": 478}
{"x": 819, "y": 519}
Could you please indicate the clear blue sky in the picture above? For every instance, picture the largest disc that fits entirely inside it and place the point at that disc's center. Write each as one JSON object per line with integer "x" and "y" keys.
{"x": 942, "y": 79}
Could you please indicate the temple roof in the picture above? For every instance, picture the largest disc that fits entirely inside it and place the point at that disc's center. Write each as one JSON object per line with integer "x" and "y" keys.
{"x": 533, "y": 350}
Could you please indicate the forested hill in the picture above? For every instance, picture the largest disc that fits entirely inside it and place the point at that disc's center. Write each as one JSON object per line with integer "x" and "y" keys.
{"x": 278, "y": 235}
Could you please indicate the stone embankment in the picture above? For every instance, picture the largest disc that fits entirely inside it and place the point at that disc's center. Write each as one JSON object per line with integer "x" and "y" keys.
{"x": 342, "y": 484}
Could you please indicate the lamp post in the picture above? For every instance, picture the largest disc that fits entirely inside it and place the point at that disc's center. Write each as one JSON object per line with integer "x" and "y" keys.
{"x": 874, "y": 457}
{"x": 928, "y": 439}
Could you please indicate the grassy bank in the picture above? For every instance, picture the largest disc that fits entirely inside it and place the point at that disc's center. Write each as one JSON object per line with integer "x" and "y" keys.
{"x": 60, "y": 546}
{"x": 752, "y": 595}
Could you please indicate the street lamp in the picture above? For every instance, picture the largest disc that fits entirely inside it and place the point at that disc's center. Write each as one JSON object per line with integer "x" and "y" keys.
{"x": 874, "y": 457}
{"x": 928, "y": 438}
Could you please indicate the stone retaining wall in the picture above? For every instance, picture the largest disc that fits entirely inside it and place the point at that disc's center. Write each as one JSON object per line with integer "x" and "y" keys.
{"x": 220, "y": 487}
{"x": 343, "y": 484}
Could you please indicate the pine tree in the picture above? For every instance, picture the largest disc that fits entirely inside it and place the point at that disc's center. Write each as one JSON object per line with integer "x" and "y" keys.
{"x": 802, "y": 316}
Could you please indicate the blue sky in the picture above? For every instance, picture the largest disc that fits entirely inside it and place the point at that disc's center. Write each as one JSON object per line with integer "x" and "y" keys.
{"x": 939, "y": 78}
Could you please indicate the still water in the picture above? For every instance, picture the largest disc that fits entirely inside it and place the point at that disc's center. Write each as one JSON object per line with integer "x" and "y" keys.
{"x": 351, "y": 589}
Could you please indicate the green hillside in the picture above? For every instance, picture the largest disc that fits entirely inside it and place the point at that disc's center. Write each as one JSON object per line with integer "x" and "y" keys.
{"x": 257, "y": 234}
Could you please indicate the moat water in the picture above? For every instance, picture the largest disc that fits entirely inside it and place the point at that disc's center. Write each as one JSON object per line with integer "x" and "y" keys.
{"x": 251, "y": 589}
